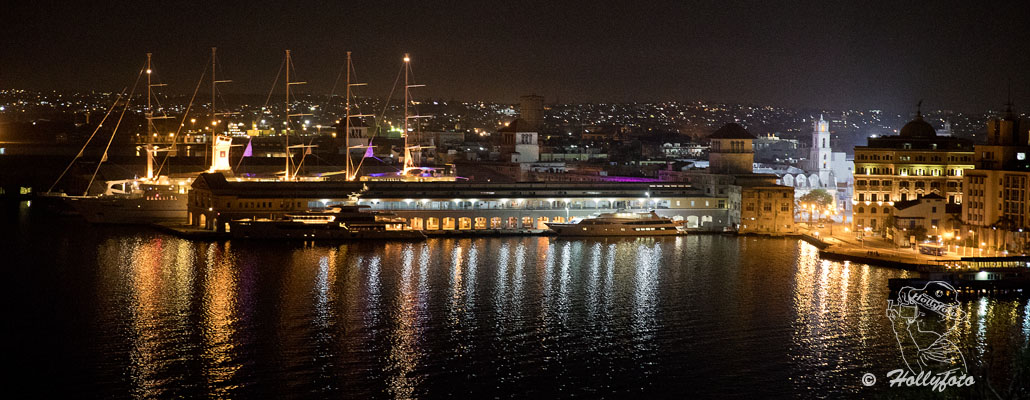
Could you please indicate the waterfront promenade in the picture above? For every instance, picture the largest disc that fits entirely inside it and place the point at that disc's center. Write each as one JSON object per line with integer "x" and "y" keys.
{"x": 844, "y": 243}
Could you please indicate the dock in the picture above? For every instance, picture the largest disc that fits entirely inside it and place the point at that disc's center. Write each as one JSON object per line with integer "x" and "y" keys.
{"x": 189, "y": 232}
{"x": 1013, "y": 284}
{"x": 486, "y": 232}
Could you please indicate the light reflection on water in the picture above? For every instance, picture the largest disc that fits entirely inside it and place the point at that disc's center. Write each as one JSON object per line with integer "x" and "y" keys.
{"x": 710, "y": 315}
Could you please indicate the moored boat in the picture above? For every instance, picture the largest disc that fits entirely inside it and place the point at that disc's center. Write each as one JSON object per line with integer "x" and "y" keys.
{"x": 145, "y": 203}
{"x": 334, "y": 223}
{"x": 620, "y": 224}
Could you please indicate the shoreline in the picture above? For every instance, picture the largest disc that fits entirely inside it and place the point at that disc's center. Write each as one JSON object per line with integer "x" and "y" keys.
{"x": 842, "y": 251}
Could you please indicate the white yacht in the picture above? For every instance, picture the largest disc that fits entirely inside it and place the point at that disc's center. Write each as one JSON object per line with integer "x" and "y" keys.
{"x": 620, "y": 224}
{"x": 335, "y": 223}
{"x": 142, "y": 202}
{"x": 146, "y": 200}
{"x": 156, "y": 197}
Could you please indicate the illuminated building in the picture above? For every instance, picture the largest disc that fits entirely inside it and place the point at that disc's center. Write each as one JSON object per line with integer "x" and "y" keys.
{"x": 214, "y": 201}
{"x": 819, "y": 159}
{"x": 732, "y": 150}
{"x": 996, "y": 192}
{"x": 931, "y": 214}
{"x": 904, "y": 167}
{"x": 519, "y": 141}
{"x": 757, "y": 204}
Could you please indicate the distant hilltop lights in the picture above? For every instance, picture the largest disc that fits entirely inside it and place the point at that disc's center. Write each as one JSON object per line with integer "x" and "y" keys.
{"x": 563, "y": 118}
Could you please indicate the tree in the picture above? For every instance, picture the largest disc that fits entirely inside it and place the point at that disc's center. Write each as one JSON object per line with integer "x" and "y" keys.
{"x": 890, "y": 225}
{"x": 919, "y": 232}
{"x": 817, "y": 198}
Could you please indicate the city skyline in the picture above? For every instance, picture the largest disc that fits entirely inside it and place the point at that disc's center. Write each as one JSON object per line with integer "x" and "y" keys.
{"x": 517, "y": 199}
{"x": 818, "y": 56}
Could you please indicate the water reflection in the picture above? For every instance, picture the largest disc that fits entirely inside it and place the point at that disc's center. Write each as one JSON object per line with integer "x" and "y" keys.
{"x": 147, "y": 282}
{"x": 645, "y": 293}
{"x": 485, "y": 317}
{"x": 219, "y": 319}
{"x": 405, "y": 353}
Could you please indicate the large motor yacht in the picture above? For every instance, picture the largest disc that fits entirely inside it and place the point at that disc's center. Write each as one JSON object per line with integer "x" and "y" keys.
{"x": 339, "y": 222}
{"x": 620, "y": 224}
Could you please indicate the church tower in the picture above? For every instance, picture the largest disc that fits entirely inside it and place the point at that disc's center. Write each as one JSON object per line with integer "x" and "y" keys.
{"x": 821, "y": 156}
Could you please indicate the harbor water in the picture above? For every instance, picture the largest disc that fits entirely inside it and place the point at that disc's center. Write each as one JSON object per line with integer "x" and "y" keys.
{"x": 119, "y": 312}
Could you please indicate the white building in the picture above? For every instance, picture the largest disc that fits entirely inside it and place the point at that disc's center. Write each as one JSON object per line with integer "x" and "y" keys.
{"x": 819, "y": 157}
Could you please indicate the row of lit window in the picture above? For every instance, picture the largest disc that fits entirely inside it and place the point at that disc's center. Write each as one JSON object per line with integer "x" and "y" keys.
{"x": 872, "y": 210}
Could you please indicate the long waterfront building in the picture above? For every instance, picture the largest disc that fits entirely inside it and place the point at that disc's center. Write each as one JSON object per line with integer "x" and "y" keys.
{"x": 214, "y": 201}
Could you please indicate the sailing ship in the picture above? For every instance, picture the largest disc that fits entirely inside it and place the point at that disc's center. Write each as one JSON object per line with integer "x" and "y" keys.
{"x": 413, "y": 171}
{"x": 155, "y": 197}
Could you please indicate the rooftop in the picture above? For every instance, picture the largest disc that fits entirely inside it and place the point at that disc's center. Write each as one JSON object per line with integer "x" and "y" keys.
{"x": 732, "y": 131}
{"x": 218, "y": 185}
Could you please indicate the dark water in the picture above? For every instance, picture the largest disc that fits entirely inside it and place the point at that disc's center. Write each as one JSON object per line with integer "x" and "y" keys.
{"x": 122, "y": 312}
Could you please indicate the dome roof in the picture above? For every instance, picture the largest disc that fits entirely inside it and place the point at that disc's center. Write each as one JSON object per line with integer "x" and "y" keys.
{"x": 731, "y": 131}
{"x": 918, "y": 128}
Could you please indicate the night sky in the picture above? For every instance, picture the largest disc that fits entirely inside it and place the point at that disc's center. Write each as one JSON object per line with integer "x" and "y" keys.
{"x": 828, "y": 54}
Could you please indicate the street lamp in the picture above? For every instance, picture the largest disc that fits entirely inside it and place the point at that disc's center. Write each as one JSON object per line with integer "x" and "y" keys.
{"x": 947, "y": 236}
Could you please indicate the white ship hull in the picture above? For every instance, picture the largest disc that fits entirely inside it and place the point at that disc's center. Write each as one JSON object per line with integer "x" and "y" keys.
{"x": 129, "y": 210}
{"x": 301, "y": 231}
{"x": 614, "y": 230}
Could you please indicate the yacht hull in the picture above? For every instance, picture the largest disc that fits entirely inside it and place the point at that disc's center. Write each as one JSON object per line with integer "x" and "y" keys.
{"x": 580, "y": 230}
{"x": 101, "y": 210}
{"x": 299, "y": 231}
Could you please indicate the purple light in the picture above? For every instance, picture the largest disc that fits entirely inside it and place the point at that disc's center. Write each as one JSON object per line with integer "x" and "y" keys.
{"x": 627, "y": 179}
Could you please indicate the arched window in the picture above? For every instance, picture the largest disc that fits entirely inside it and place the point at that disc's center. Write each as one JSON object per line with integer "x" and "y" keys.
{"x": 872, "y": 210}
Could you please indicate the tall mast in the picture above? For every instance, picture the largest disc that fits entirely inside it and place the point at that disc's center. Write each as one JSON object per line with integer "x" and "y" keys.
{"x": 150, "y": 148}
{"x": 287, "y": 177}
{"x": 219, "y": 152}
{"x": 213, "y": 93}
{"x": 408, "y": 162}
{"x": 346, "y": 119}
{"x": 150, "y": 111}
{"x": 214, "y": 152}
{"x": 289, "y": 160}
{"x": 347, "y": 116}
{"x": 150, "y": 123}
